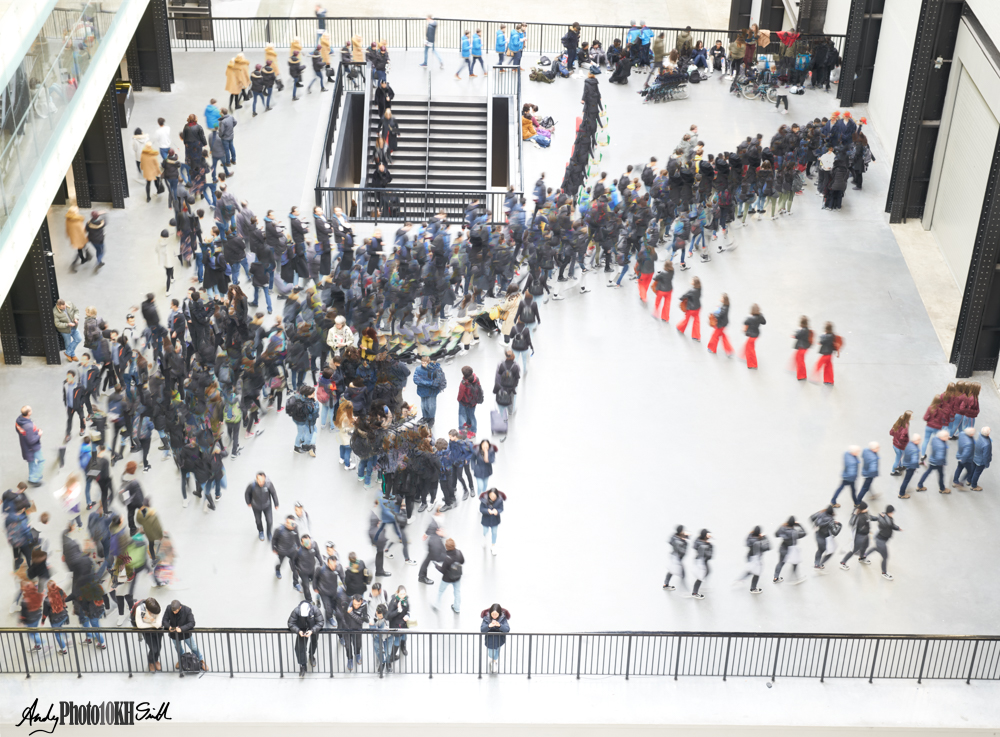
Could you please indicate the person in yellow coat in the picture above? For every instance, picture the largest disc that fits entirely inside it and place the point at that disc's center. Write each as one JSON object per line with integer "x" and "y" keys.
{"x": 271, "y": 57}
{"x": 233, "y": 84}
{"x": 295, "y": 47}
{"x": 149, "y": 162}
{"x": 244, "y": 65}
{"x": 357, "y": 50}
{"x": 76, "y": 229}
{"x": 324, "y": 48}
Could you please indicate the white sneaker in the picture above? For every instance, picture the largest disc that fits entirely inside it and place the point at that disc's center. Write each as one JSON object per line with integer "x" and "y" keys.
{"x": 184, "y": 503}
{"x": 493, "y": 549}
{"x": 122, "y": 620}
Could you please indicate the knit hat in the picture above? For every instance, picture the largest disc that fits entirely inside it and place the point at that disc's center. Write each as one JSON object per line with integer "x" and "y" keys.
{"x": 130, "y": 467}
{"x": 890, "y": 509}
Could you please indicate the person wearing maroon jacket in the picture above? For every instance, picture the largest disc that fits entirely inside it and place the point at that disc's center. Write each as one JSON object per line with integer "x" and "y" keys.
{"x": 900, "y": 434}
{"x": 972, "y": 406}
{"x": 936, "y": 417}
{"x": 470, "y": 393}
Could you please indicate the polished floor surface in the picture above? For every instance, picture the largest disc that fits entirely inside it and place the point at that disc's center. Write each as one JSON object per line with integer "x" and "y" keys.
{"x": 624, "y": 429}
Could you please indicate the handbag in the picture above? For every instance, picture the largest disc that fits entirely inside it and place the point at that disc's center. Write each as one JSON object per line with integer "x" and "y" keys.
{"x": 246, "y": 94}
{"x": 713, "y": 321}
{"x": 684, "y": 305}
{"x": 509, "y": 52}
{"x": 279, "y": 84}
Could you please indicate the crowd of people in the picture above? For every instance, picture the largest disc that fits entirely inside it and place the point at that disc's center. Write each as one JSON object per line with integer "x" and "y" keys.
{"x": 360, "y": 319}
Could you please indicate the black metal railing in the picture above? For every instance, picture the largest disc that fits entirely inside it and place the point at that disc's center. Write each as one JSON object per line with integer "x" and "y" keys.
{"x": 672, "y": 654}
{"x": 373, "y": 205}
{"x": 344, "y": 83}
{"x": 410, "y": 33}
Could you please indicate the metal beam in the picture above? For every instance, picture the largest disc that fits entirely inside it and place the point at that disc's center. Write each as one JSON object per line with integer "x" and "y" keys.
{"x": 852, "y": 53}
{"x": 913, "y": 103}
{"x": 982, "y": 269}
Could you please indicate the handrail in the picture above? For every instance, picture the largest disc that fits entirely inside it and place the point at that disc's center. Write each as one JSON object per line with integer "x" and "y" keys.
{"x": 520, "y": 138}
{"x": 366, "y": 126}
{"x": 631, "y": 654}
{"x": 427, "y": 140}
{"x": 342, "y": 85}
{"x": 407, "y": 33}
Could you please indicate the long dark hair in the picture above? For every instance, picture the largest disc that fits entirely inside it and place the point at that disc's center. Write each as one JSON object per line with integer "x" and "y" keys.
{"x": 495, "y": 608}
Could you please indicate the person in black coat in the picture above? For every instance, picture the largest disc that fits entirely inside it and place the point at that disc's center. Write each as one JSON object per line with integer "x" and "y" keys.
{"x": 390, "y": 131}
{"x": 355, "y": 618}
{"x": 324, "y": 235}
{"x": 571, "y": 42}
{"x": 383, "y": 97}
{"x": 751, "y": 326}
{"x": 837, "y": 184}
{"x": 178, "y": 621}
{"x": 295, "y": 69}
{"x": 326, "y": 585}
{"x": 304, "y": 562}
{"x": 284, "y": 544}
{"x": 305, "y": 622}
{"x": 451, "y": 574}
{"x": 691, "y": 302}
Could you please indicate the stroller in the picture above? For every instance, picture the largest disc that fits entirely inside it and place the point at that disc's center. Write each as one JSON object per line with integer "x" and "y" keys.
{"x": 666, "y": 87}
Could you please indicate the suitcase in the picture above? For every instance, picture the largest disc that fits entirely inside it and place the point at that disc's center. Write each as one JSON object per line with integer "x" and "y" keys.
{"x": 498, "y": 422}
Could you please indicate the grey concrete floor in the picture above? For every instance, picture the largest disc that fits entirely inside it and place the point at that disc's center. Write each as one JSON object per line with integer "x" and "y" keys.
{"x": 624, "y": 429}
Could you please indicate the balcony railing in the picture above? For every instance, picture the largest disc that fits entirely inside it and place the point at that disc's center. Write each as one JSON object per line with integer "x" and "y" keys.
{"x": 626, "y": 654}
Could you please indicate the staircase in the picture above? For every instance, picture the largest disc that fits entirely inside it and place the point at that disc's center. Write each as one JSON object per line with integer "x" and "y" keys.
{"x": 449, "y": 155}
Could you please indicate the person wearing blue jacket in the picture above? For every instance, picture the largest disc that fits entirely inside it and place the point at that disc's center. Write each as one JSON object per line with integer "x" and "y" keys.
{"x": 466, "y": 55}
{"x": 849, "y": 475}
{"x": 461, "y": 452}
{"x": 516, "y": 45}
{"x": 86, "y": 451}
{"x": 477, "y": 53}
{"x": 909, "y": 463}
{"x": 539, "y": 194}
{"x": 491, "y": 507}
{"x": 936, "y": 461}
{"x": 981, "y": 457}
{"x": 869, "y": 470}
{"x": 501, "y": 44}
{"x": 646, "y": 38}
{"x": 427, "y": 377}
{"x": 963, "y": 457}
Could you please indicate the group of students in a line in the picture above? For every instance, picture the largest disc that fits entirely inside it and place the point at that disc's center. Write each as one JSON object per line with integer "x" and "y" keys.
{"x": 826, "y": 527}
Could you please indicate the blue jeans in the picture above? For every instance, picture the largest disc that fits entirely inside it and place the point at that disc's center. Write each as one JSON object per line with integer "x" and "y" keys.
{"x": 326, "y": 415}
{"x": 493, "y": 652}
{"x": 930, "y": 469}
{"x": 345, "y": 455}
{"x": 35, "y": 471}
{"x": 974, "y": 479}
{"x": 180, "y": 645}
{"x": 93, "y": 622}
{"x": 523, "y": 357}
{"x": 99, "y": 251}
{"x": 267, "y": 295}
{"x": 319, "y": 76}
{"x": 236, "y": 270}
{"x": 428, "y": 406}
{"x": 467, "y": 416}
{"x": 899, "y": 457}
{"x": 305, "y": 433}
{"x": 365, "y": 468}
{"x": 493, "y": 531}
{"x": 71, "y": 340}
{"x": 482, "y": 483}
{"x": 433, "y": 48}
{"x": 515, "y": 60}
{"x": 164, "y": 152}
{"x": 845, "y": 483}
{"x": 230, "y": 151}
{"x": 59, "y": 637}
{"x": 968, "y": 466}
{"x": 172, "y": 186}
{"x": 297, "y": 377}
{"x": 255, "y": 96}
{"x": 929, "y": 432}
{"x": 225, "y": 164}
{"x": 457, "y": 586}
{"x": 35, "y": 637}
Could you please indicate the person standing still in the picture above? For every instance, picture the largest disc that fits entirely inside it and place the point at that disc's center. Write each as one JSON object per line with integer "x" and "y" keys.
{"x": 30, "y": 438}
{"x": 67, "y": 320}
{"x": 259, "y": 496}
{"x": 429, "y": 378}
{"x": 429, "y": 42}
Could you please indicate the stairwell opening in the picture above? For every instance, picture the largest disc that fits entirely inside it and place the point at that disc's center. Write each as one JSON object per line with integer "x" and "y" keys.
{"x": 500, "y": 145}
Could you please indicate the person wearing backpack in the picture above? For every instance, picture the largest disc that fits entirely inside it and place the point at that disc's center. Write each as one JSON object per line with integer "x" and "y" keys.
{"x": 520, "y": 343}
{"x": 470, "y": 393}
{"x": 508, "y": 375}
{"x": 451, "y": 575}
{"x": 430, "y": 381}
{"x": 178, "y": 621}
{"x": 304, "y": 411}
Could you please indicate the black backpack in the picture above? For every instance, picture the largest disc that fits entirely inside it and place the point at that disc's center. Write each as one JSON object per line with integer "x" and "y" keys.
{"x": 520, "y": 340}
{"x": 296, "y": 408}
{"x": 455, "y": 569}
{"x": 190, "y": 663}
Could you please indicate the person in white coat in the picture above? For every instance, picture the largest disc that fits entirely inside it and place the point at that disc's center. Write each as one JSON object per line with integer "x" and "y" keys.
{"x": 163, "y": 257}
{"x": 139, "y": 141}
{"x": 341, "y": 336}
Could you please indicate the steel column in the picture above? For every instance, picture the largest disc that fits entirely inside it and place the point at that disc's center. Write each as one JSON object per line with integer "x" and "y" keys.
{"x": 852, "y": 53}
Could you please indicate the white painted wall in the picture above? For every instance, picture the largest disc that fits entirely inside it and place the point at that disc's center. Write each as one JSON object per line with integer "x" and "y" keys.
{"x": 988, "y": 14}
{"x": 838, "y": 12}
{"x": 892, "y": 67}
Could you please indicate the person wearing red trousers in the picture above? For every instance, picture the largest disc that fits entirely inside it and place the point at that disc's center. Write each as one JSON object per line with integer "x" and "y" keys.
{"x": 663, "y": 285}
{"x": 646, "y": 266}
{"x": 692, "y": 309}
{"x": 719, "y": 333}
{"x": 803, "y": 341}
{"x": 826, "y": 349}
{"x": 751, "y": 326}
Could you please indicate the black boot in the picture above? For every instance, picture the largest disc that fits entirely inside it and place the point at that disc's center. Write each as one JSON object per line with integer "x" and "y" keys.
{"x": 402, "y": 648}
{"x": 395, "y": 654}
{"x": 381, "y": 670}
